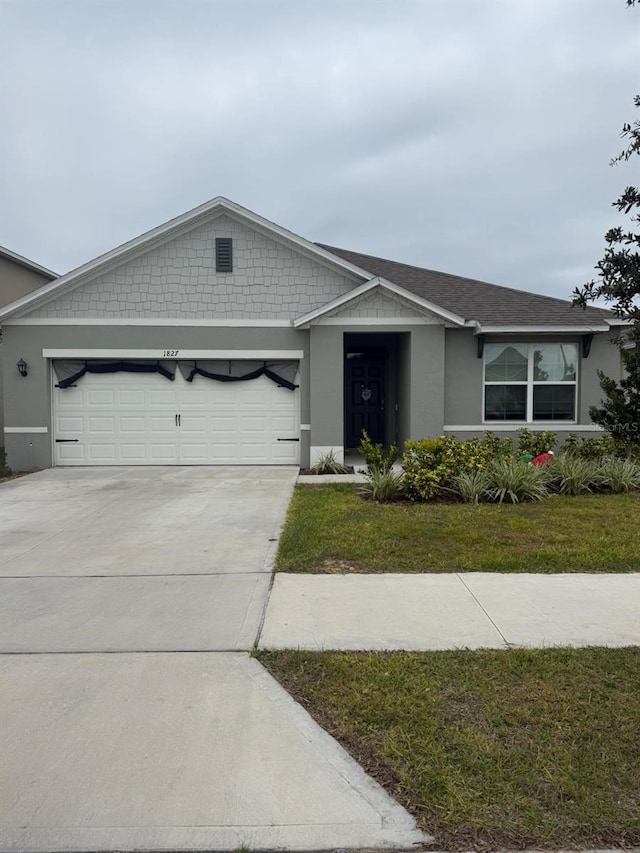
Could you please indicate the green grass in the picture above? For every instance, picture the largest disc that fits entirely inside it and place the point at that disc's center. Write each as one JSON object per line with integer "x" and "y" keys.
{"x": 497, "y": 749}
{"x": 330, "y": 528}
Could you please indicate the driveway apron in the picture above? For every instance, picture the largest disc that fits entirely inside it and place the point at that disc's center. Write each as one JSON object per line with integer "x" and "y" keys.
{"x": 132, "y": 715}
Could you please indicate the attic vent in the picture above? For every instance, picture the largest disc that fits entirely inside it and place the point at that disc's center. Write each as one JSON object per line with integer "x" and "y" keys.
{"x": 224, "y": 254}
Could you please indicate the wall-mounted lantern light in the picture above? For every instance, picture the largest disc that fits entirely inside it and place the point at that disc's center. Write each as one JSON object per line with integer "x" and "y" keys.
{"x": 22, "y": 367}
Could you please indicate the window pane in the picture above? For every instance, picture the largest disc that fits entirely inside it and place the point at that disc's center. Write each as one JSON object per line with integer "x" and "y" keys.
{"x": 554, "y": 402}
{"x": 505, "y": 402}
{"x": 555, "y": 363}
{"x": 505, "y": 363}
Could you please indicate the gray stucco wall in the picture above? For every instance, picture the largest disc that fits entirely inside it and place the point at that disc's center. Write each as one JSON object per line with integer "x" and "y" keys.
{"x": 464, "y": 375}
{"x": 270, "y": 280}
{"x": 29, "y": 399}
{"x": 15, "y": 281}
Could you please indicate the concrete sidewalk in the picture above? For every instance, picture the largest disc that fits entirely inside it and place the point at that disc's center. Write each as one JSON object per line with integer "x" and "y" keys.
{"x": 419, "y": 612}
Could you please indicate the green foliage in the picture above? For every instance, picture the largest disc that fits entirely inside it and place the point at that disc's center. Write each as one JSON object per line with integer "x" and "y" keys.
{"x": 3, "y": 460}
{"x": 619, "y": 475}
{"x": 431, "y": 465}
{"x": 536, "y": 443}
{"x": 619, "y": 285}
{"x": 328, "y": 464}
{"x": 515, "y": 481}
{"x": 472, "y": 486}
{"x": 571, "y": 474}
{"x": 619, "y": 411}
{"x": 376, "y": 457}
{"x": 589, "y": 448}
{"x": 383, "y": 486}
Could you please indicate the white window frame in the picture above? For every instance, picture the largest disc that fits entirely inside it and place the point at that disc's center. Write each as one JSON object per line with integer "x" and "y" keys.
{"x": 530, "y": 383}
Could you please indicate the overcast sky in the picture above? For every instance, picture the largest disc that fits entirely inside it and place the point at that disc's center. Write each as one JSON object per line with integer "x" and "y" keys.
{"x": 470, "y": 136}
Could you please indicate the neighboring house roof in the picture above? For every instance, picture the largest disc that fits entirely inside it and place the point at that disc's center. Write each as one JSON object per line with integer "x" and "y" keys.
{"x": 25, "y": 262}
{"x": 488, "y": 304}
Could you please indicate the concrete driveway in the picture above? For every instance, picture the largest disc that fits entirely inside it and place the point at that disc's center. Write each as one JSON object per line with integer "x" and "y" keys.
{"x": 138, "y": 559}
{"x": 178, "y": 741}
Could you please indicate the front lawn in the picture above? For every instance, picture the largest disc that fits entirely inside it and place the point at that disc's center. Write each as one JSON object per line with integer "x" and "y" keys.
{"x": 329, "y": 528}
{"x": 489, "y": 749}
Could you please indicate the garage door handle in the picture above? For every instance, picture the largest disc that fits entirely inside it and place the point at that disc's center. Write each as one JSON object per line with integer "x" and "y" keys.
{"x": 288, "y": 439}
{"x": 66, "y": 440}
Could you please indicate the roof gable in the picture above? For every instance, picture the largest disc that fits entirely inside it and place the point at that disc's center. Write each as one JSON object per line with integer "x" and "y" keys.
{"x": 391, "y": 295}
{"x": 171, "y": 230}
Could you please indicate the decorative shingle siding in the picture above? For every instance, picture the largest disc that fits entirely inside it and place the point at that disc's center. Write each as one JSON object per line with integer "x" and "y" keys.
{"x": 377, "y": 304}
{"x": 179, "y": 279}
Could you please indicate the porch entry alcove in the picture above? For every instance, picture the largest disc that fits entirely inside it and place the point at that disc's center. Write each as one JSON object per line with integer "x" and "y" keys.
{"x": 376, "y": 387}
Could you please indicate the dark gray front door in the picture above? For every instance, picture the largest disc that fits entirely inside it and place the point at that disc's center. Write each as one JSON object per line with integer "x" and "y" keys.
{"x": 365, "y": 394}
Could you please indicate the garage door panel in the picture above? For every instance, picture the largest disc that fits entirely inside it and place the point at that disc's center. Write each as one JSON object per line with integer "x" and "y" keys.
{"x": 102, "y": 424}
{"x": 70, "y": 454}
{"x": 131, "y": 419}
{"x": 101, "y": 397}
{"x": 101, "y": 454}
{"x": 69, "y": 424}
{"x": 131, "y": 454}
{"x": 133, "y": 425}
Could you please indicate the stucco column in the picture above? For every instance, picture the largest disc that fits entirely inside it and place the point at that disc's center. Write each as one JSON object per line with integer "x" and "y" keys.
{"x": 427, "y": 382}
{"x": 327, "y": 391}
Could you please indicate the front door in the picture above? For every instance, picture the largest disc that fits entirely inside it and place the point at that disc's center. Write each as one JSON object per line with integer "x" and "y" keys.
{"x": 365, "y": 394}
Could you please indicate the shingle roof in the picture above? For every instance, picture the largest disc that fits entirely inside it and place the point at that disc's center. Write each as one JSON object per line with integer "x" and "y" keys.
{"x": 489, "y": 304}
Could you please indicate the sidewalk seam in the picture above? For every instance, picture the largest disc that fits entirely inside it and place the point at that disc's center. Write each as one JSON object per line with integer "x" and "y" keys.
{"x": 482, "y": 607}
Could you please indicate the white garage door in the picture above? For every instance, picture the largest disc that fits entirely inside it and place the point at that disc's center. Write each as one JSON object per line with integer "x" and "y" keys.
{"x": 145, "y": 419}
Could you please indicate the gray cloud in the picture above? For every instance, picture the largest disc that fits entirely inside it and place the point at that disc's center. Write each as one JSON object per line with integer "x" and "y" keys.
{"x": 464, "y": 136}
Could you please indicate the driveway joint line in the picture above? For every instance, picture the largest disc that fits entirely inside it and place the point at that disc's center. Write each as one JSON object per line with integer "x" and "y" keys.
{"x": 134, "y": 575}
{"x": 482, "y": 607}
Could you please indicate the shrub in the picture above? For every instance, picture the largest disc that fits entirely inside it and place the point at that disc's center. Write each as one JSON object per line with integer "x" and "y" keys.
{"x": 3, "y": 461}
{"x": 376, "y": 457}
{"x": 516, "y": 481}
{"x": 383, "y": 486}
{"x": 431, "y": 465}
{"x": 619, "y": 475}
{"x": 536, "y": 443}
{"x": 495, "y": 448}
{"x": 589, "y": 448}
{"x": 572, "y": 475}
{"x": 471, "y": 486}
{"x": 328, "y": 464}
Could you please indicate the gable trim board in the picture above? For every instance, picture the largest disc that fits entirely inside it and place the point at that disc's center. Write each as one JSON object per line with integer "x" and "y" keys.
{"x": 368, "y": 286}
{"x": 148, "y": 321}
{"x": 178, "y": 354}
{"x": 433, "y": 375}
